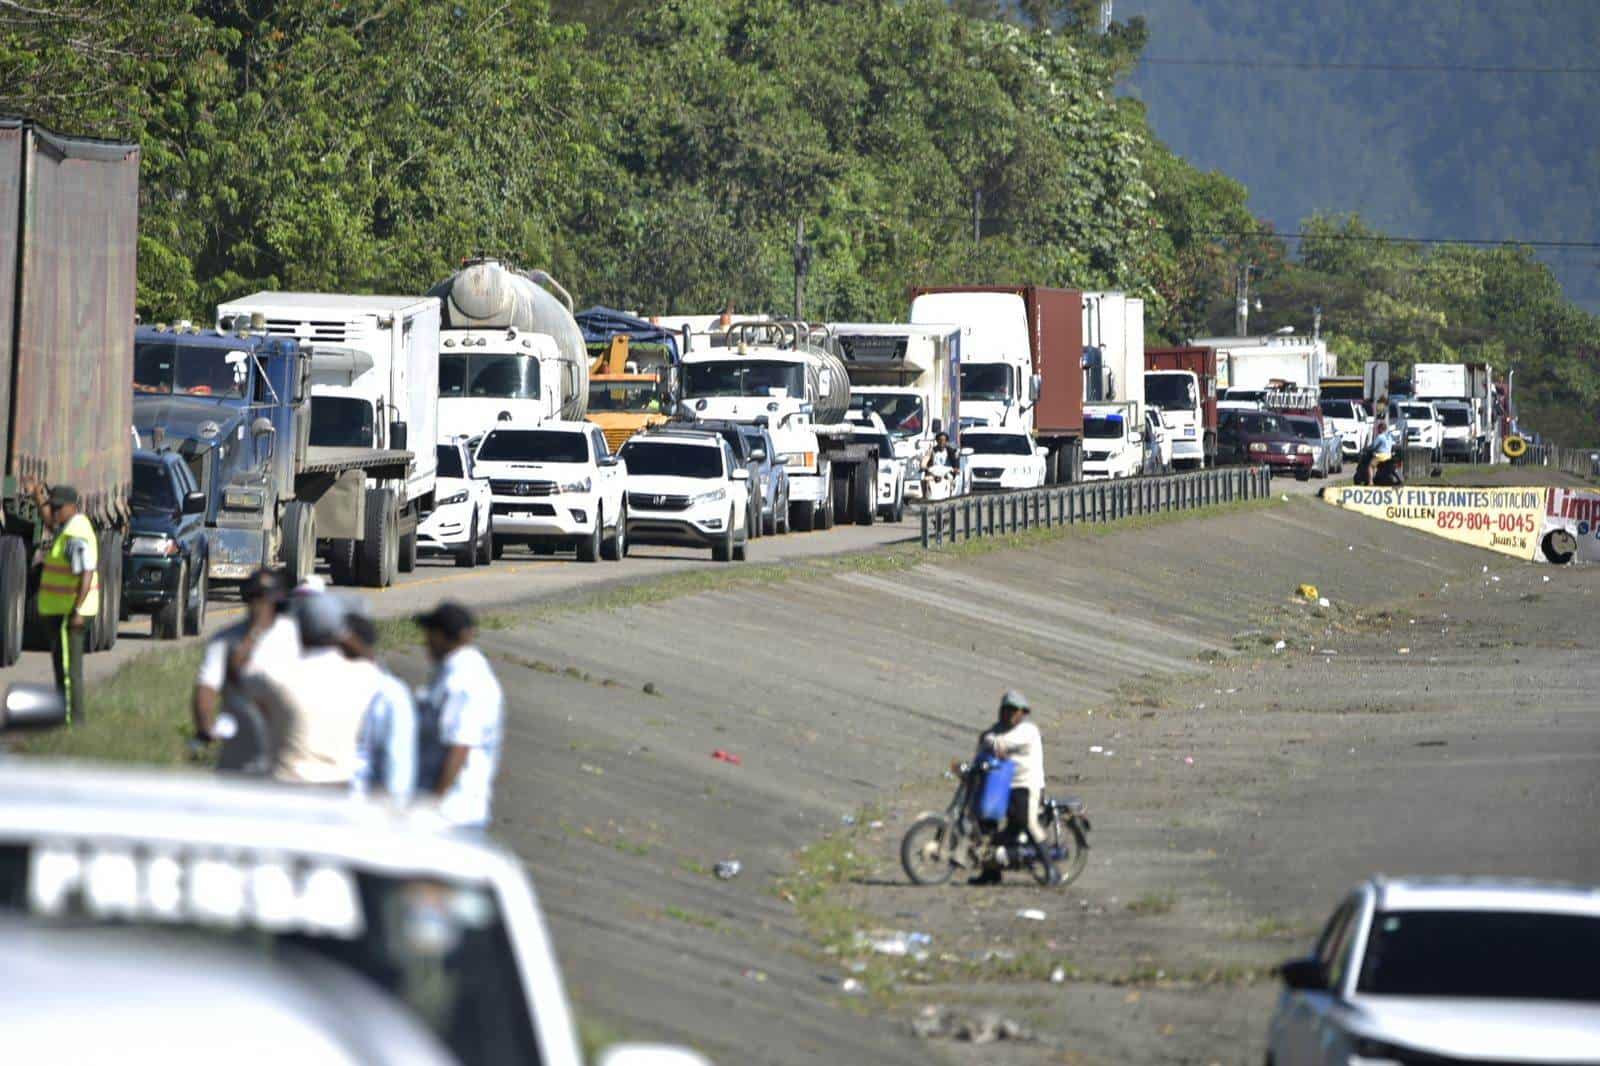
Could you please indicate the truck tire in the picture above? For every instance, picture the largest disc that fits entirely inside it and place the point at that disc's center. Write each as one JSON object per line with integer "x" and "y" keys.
{"x": 588, "y": 548}
{"x": 803, "y": 516}
{"x": 408, "y": 552}
{"x": 35, "y": 626}
{"x": 840, "y": 495}
{"x": 167, "y": 622}
{"x": 864, "y": 483}
{"x": 1072, "y": 463}
{"x": 13, "y": 598}
{"x": 342, "y": 560}
{"x": 299, "y": 540}
{"x": 379, "y": 551}
{"x": 104, "y": 629}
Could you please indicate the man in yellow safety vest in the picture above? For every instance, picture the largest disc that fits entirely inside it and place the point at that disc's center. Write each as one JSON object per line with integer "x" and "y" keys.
{"x": 69, "y": 590}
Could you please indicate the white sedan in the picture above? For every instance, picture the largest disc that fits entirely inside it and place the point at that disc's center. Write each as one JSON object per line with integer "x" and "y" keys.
{"x": 1446, "y": 971}
{"x": 462, "y": 520}
{"x": 1002, "y": 460}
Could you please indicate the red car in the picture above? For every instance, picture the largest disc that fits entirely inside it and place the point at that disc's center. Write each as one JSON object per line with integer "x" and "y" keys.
{"x": 1263, "y": 437}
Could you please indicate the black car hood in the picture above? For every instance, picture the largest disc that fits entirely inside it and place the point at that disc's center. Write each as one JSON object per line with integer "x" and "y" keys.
{"x": 183, "y": 417}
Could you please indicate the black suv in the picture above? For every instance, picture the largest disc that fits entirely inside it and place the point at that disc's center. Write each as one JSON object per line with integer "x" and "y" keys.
{"x": 737, "y": 434}
{"x": 164, "y": 558}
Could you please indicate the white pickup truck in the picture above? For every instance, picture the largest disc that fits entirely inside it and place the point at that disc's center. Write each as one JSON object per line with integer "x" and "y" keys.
{"x": 1353, "y": 423}
{"x": 555, "y": 485}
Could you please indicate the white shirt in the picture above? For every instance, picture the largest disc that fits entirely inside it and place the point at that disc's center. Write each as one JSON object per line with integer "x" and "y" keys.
{"x": 464, "y": 707}
{"x": 1023, "y": 745}
{"x": 325, "y": 698}
{"x": 386, "y": 745}
{"x": 276, "y": 652}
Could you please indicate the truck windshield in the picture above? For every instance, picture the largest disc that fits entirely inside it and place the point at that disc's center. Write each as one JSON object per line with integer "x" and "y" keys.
{"x": 1482, "y": 955}
{"x": 1455, "y": 416}
{"x": 534, "y": 446}
{"x": 189, "y": 370}
{"x": 902, "y": 414}
{"x": 635, "y": 397}
{"x": 660, "y": 459}
{"x": 989, "y": 382}
{"x": 1101, "y": 427}
{"x": 746, "y": 377}
{"x": 1171, "y": 392}
{"x": 152, "y": 487}
{"x": 501, "y": 377}
{"x": 997, "y": 443}
{"x": 342, "y": 422}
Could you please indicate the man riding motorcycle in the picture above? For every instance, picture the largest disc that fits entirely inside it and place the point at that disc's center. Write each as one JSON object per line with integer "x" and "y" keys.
{"x": 940, "y": 467}
{"x": 1379, "y": 464}
{"x": 1015, "y": 738}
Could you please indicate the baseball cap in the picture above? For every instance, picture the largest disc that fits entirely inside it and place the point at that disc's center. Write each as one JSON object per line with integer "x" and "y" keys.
{"x": 322, "y": 618}
{"x": 1013, "y": 698}
{"x": 449, "y": 618}
{"x": 62, "y": 494}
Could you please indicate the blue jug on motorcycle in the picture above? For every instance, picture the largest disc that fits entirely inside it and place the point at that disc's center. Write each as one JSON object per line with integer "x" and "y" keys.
{"x": 941, "y": 842}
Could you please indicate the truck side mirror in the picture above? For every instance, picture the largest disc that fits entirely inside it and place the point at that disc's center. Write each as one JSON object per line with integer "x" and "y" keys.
{"x": 1035, "y": 384}
{"x": 194, "y": 503}
{"x": 263, "y": 427}
{"x": 397, "y": 436}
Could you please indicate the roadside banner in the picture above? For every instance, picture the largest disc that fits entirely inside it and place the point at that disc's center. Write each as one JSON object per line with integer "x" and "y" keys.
{"x": 1506, "y": 520}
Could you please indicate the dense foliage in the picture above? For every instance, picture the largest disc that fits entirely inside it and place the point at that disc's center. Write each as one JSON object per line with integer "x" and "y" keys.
{"x": 660, "y": 156}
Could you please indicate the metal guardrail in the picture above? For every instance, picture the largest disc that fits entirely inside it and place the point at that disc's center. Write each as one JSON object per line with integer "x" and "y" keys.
{"x": 1000, "y": 514}
{"x": 1581, "y": 462}
{"x": 1416, "y": 463}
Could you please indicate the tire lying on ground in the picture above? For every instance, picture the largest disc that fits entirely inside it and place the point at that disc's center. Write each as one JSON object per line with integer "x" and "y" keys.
{"x": 1559, "y": 546}
{"x": 1514, "y": 447}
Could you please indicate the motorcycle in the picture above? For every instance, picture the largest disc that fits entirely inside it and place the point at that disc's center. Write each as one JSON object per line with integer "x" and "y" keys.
{"x": 939, "y": 843}
{"x": 1374, "y": 470}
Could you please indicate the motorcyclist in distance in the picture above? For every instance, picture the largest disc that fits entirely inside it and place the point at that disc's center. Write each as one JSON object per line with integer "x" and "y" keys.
{"x": 1015, "y": 738}
{"x": 941, "y": 462}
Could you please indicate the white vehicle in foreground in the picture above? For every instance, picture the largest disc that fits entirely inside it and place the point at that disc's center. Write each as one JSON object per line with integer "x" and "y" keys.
{"x": 1423, "y": 428}
{"x": 555, "y": 485}
{"x": 191, "y": 914}
{"x": 461, "y": 523}
{"x": 687, "y": 488}
{"x": 1113, "y": 442}
{"x": 1446, "y": 971}
{"x": 1350, "y": 418}
{"x": 1002, "y": 460}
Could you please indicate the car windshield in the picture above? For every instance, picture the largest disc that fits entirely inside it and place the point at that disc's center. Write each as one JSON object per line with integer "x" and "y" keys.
{"x": 986, "y": 381}
{"x": 902, "y": 414}
{"x": 1103, "y": 427}
{"x": 1419, "y": 412}
{"x": 449, "y": 457}
{"x": 534, "y": 446}
{"x": 1256, "y": 423}
{"x": 501, "y": 377}
{"x": 1482, "y": 955}
{"x": 634, "y": 397}
{"x": 649, "y": 458}
{"x": 1171, "y": 392}
{"x": 341, "y": 422}
{"x": 1338, "y": 408}
{"x": 190, "y": 370}
{"x": 1455, "y": 416}
{"x": 152, "y": 487}
{"x": 1304, "y": 427}
{"x": 997, "y": 443}
{"x": 745, "y": 377}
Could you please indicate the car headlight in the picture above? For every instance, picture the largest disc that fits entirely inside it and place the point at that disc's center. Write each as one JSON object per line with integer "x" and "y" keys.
{"x": 159, "y": 544}
{"x": 713, "y": 496}
{"x": 581, "y": 485}
{"x": 1304, "y": 449}
{"x": 460, "y": 497}
{"x": 1257, "y": 446}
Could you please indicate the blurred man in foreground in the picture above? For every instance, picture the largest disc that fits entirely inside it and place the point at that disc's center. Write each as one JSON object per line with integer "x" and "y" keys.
{"x": 461, "y": 713}
{"x": 317, "y": 703}
{"x": 386, "y": 745}
{"x": 265, "y": 640}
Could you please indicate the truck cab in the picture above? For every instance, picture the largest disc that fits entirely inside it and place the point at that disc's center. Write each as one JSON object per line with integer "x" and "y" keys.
{"x": 488, "y": 376}
{"x": 909, "y": 377}
{"x": 1177, "y": 395}
{"x": 996, "y": 367}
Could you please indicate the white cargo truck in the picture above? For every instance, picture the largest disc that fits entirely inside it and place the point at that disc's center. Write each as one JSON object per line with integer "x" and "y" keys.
{"x": 1272, "y": 362}
{"x": 373, "y": 384}
{"x": 996, "y": 384}
{"x": 1113, "y": 342}
{"x": 910, "y": 377}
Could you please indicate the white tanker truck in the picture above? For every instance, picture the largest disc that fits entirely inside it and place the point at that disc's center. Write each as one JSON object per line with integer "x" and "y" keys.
{"x": 784, "y": 375}
{"x": 509, "y": 350}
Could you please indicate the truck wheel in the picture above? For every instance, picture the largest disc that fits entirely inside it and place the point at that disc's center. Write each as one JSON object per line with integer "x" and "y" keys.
{"x": 167, "y": 622}
{"x": 13, "y": 598}
{"x": 379, "y": 550}
{"x": 840, "y": 495}
{"x": 589, "y": 546}
{"x": 408, "y": 552}
{"x": 803, "y": 516}
{"x": 194, "y": 623}
{"x": 299, "y": 540}
{"x": 342, "y": 560}
{"x": 35, "y": 626}
{"x": 468, "y": 555}
{"x": 865, "y": 484}
{"x": 103, "y": 631}
{"x": 615, "y": 547}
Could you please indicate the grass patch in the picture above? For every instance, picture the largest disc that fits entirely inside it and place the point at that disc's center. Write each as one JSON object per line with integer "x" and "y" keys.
{"x": 687, "y": 917}
{"x": 1154, "y": 903}
{"x": 137, "y": 715}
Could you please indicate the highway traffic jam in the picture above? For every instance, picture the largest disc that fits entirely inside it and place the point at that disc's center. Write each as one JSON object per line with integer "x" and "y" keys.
{"x": 335, "y": 439}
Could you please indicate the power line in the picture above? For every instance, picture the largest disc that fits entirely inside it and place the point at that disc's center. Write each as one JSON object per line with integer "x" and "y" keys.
{"x": 1404, "y": 68}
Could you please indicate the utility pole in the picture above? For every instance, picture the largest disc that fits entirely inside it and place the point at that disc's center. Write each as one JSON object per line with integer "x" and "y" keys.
{"x": 1241, "y": 300}
{"x": 1105, "y": 17}
{"x": 1316, "y": 324}
{"x": 802, "y": 267}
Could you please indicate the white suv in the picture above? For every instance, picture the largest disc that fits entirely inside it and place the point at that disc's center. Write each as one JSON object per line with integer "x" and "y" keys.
{"x": 1446, "y": 971}
{"x": 1423, "y": 428}
{"x": 687, "y": 488}
{"x": 1350, "y": 418}
{"x": 462, "y": 520}
{"x": 553, "y": 485}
